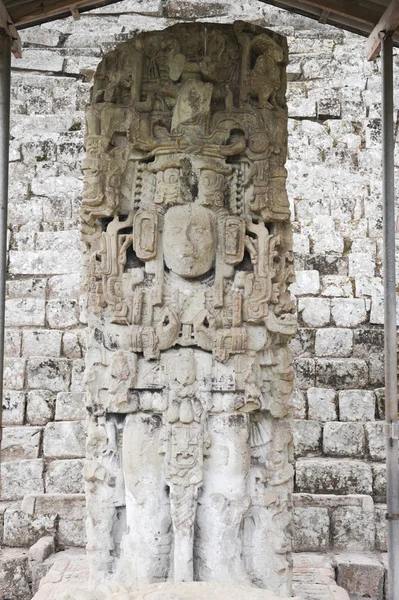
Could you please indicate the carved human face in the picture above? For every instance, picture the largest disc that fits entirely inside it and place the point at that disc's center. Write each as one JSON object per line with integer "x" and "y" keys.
{"x": 189, "y": 241}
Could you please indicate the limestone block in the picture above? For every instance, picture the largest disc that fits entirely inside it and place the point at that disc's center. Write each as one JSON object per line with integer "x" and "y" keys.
{"x": 334, "y": 342}
{"x": 42, "y": 549}
{"x": 322, "y": 404}
{"x": 304, "y": 373}
{"x": 324, "y": 237}
{"x": 56, "y": 210}
{"x": 44, "y": 262}
{"x": 21, "y": 477}
{"x": 14, "y": 373}
{"x": 307, "y": 438}
{"x": 367, "y": 341}
{"x": 53, "y": 374}
{"x": 72, "y": 532}
{"x": 356, "y": 405}
{"x": 42, "y": 342}
{"x": 25, "y": 312}
{"x": 40, "y": 407}
{"x": 302, "y": 107}
{"x": 72, "y": 344}
{"x": 311, "y": 529}
{"x": 298, "y": 401}
{"x": 26, "y": 288}
{"x": 376, "y": 368}
{"x": 314, "y": 577}
{"x": 40, "y": 60}
{"x": 330, "y": 476}
{"x": 301, "y": 243}
{"x": 375, "y": 435}
{"x": 379, "y": 482}
{"x": 78, "y": 369}
{"x": 64, "y": 440}
{"x": 13, "y": 407}
{"x": 14, "y": 574}
{"x": 70, "y": 406}
{"x": 339, "y": 373}
{"x": 20, "y": 443}
{"x": 12, "y": 342}
{"x": 302, "y": 345}
{"x": 331, "y": 268}
{"x": 381, "y": 530}
{"x": 65, "y": 477}
{"x": 62, "y": 313}
{"x": 329, "y": 108}
{"x": 362, "y": 576}
{"x": 353, "y": 528}
{"x": 336, "y": 286}
{"x": 22, "y": 530}
{"x": 307, "y": 282}
{"x": 64, "y": 286}
{"x": 344, "y": 439}
{"x": 361, "y": 264}
{"x": 348, "y": 312}
{"x": 315, "y": 312}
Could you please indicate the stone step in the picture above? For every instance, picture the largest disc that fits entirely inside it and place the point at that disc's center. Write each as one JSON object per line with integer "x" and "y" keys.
{"x": 314, "y": 578}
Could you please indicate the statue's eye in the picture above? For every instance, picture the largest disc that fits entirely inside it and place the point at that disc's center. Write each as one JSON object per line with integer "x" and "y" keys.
{"x": 199, "y": 230}
{"x": 176, "y": 230}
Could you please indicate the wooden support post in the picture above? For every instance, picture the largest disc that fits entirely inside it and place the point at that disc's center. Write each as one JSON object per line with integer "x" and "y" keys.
{"x": 388, "y": 23}
{"x": 9, "y": 29}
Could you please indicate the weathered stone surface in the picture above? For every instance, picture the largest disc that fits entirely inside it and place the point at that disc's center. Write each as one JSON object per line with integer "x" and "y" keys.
{"x": 375, "y": 434}
{"x": 322, "y": 403}
{"x": 25, "y": 312}
{"x": 13, "y": 408}
{"x": 65, "y": 477}
{"x": 356, "y": 405}
{"x": 40, "y": 407}
{"x": 307, "y": 438}
{"x": 349, "y": 312}
{"x": 353, "y": 527}
{"x": 327, "y": 476}
{"x": 23, "y": 530}
{"x": 20, "y": 442}
{"x": 339, "y": 373}
{"x": 14, "y": 574}
{"x": 311, "y": 529}
{"x": 53, "y": 374}
{"x": 360, "y": 575}
{"x": 41, "y": 343}
{"x": 381, "y": 530}
{"x": 344, "y": 439}
{"x": 315, "y": 312}
{"x": 21, "y": 477}
{"x": 64, "y": 439}
{"x": 314, "y": 577}
{"x": 70, "y": 407}
{"x": 334, "y": 342}
{"x": 14, "y": 373}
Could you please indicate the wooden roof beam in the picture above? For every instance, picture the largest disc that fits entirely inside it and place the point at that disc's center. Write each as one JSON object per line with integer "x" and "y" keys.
{"x": 389, "y": 22}
{"x": 8, "y": 26}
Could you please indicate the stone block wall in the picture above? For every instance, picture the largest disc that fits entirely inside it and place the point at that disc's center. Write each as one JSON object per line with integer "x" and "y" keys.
{"x": 334, "y": 186}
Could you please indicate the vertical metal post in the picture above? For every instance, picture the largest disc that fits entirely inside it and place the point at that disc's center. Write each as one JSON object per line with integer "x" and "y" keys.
{"x": 5, "y": 82}
{"x": 391, "y": 393}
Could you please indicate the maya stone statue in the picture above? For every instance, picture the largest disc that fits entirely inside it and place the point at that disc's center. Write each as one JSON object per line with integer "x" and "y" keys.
{"x": 188, "y": 263}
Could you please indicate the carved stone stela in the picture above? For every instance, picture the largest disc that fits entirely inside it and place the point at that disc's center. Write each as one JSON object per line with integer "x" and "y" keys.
{"x": 188, "y": 262}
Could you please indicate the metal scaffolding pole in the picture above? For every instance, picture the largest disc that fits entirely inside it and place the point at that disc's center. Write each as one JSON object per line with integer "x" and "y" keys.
{"x": 5, "y": 81}
{"x": 391, "y": 393}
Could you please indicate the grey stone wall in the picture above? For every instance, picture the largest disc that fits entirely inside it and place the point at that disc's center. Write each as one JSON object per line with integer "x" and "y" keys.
{"x": 335, "y": 189}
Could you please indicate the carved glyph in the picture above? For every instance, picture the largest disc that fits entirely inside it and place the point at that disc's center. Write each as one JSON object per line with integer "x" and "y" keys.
{"x": 185, "y": 220}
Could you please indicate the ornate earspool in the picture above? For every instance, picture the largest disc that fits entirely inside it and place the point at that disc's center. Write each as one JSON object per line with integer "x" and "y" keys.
{"x": 185, "y": 218}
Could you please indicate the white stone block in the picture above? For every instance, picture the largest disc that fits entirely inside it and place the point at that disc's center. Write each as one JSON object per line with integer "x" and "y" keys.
{"x": 348, "y": 312}
{"x": 73, "y": 344}
{"x": 65, "y": 477}
{"x": 40, "y": 407}
{"x": 20, "y": 443}
{"x": 315, "y": 312}
{"x": 311, "y": 529}
{"x": 25, "y": 312}
{"x": 307, "y": 282}
{"x": 361, "y": 264}
{"x": 322, "y": 404}
{"x": 344, "y": 439}
{"x": 62, "y": 313}
{"x": 12, "y": 342}
{"x": 21, "y": 477}
{"x": 336, "y": 286}
{"x": 353, "y": 528}
{"x": 42, "y": 342}
{"x": 70, "y": 407}
{"x": 14, "y": 373}
{"x": 301, "y": 243}
{"x": 13, "y": 408}
{"x": 52, "y": 374}
{"x": 357, "y": 405}
{"x": 64, "y": 286}
{"x": 375, "y": 435}
{"x": 341, "y": 373}
{"x": 64, "y": 440}
{"x": 334, "y": 342}
{"x": 27, "y": 288}
{"x": 331, "y": 476}
{"x": 36, "y": 59}
{"x": 44, "y": 262}
{"x": 307, "y": 438}
{"x": 24, "y": 530}
{"x": 298, "y": 402}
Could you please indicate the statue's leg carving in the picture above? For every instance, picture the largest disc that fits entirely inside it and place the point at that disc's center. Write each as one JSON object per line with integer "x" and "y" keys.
{"x": 223, "y": 501}
{"x": 146, "y": 545}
